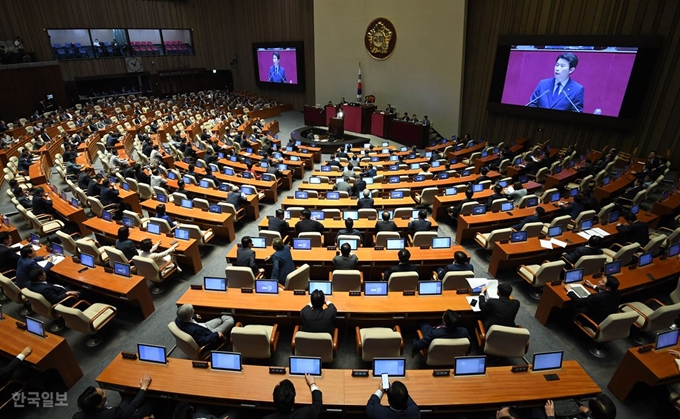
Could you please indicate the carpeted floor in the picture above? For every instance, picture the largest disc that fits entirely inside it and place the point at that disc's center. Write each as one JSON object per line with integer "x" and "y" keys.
{"x": 128, "y": 328}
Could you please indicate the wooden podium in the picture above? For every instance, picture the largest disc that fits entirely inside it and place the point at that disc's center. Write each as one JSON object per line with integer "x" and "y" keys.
{"x": 336, "y": 126}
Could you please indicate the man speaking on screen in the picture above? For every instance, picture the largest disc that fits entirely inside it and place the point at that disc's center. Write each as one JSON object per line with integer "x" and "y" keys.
{"x": 560, "y": 92}
{"x": 277, "y": 74}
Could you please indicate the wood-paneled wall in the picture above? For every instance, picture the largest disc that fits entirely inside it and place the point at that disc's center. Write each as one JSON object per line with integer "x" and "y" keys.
{"x": 29, "y": 85}
{"x": 658, "y": 126}
{"x": 221, "y": 29}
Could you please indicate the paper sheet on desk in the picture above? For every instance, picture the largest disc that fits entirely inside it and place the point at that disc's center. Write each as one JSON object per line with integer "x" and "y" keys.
{"x": 55, "y": 261}
{"x": 17, "y": 246}
{"x": 546, "y": 244}
{"x": 491, "y": 286}
{"x": 584, "y": 234}
{"x": 559, "y": 243}
{"x": 599, "y": 232}
{"x": 476, "y": 307}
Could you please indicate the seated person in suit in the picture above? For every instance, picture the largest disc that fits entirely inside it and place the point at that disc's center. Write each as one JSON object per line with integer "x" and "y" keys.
{"x": 483, "y": 175}
{"x": 306, "y": 224}
{"x": 534, "y": 218}
{"x": 633, "y": 229}
{"x": 590, "y": 249}
{"x": 358, "y": 187}
{"x": 600, "y": 407}
{"x": 315, "y": 318}
{"x": 447, "y": 330}
{"x": 284, "y": 401}
{"x": 148, "y": 250}
{"x": 515, "y": 193}
{"x": 590, "y": 202}
{"x": 236, "y": 198}
{"x": 403, "y": 266}
{"x": 365, "y": 201}
{"x": 574, "y": 208}
{"x": 8, "y": 254}
{"x": 454, "y": 210}
{"x": 92, "y": 404}
{"x": 349, "y": 230}
{"x": 421, "y": 223}
{"x": 401, "y": 405}
{"x": 501, "y": 310}
{"x": 245, "y": 256}
{"x": 385, "y": 224}
{"x": 8, "y": 371}
{"x": 630, "y": 192}
{"x": 84, "y": 178}
{"x": 600, "y": 304}
{"x": 370, "y": 171}
{"x": 348, "y": 173}
{"x": 53, "y": 293}
{"x": 27, "y": 262}
{"x": 110, "y": 196}
{"x": 125, "y": 245}
{"x": 282, "y": 261}
{"x": 94, "y": 188}
{"x": 207, "y": 333}
{"x": 346, "y": 259}
{"x": 497, "y": 194}
{"x": 160, "y": 213}
{"x": 182, "y": 190}
{"x": 343, "y": 186}
{"x": 461, "y": 262}
{"x": 278, "y": 223}
{"x": 42, "y": 204}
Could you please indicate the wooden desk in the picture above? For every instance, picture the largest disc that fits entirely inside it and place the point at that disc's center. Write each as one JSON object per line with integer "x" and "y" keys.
{"x": 466, "y": 151}
{"x": 363, "y": 224}
{"x": 554, "y": 181}
{"x": 555, "y": 297}
{"x": 371, "y": 262}
{"x": 52, "y": 352}
{"x": 298, "y": 166}
{"x": 654, "y": 368}
{"x": 314, "y": 116}
{"x": 131, "y": 198}
{"x": 319, "y": 203}
{"x": 285, "y": 304}
{"x": 343, "y": 392}
{"x": 12, "y": 232}
{"x": 615, "y": 185}
{"x": 431, "y": 183}
{"x": 67, "y": 211}
{"x": 222, "y": 224}
{"x": 443, "y": 201}
{"x": 107, "y": 231}
{"x": 252, "y": 206}
{"x": 287, "y": 179}
{"x": 470, "y": 225}
{"x": 131, "y": 290}
{"x": 667, "y": 206}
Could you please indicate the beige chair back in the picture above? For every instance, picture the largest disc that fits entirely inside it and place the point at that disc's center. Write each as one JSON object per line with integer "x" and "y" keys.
{"x": 654, "y": 244}
{"x": 368, "y": 213}
{"x": 545, "y": 196}
{"x": 533, "y": 229}
{"x": 662, "y": 317}
{"x": 504, "y": 341}
{"x": 443, "y": 351}
{"x": 298, "y": 279}
{"x": 184, "y": 341}
{"x": 403, "y": 281}
{"x": 379, "y": 342}
{"x": 252, "y": 341}
{"x": 164, "y": 224}
{"x": 625, "y": 254}
{"x": 10, "y": 289}
{"x": 81, "y": 321}
{"x": 269, "y": 236}
{"x": 424, "y": 238}
{"x": 239, "y": 277}
{"x": 382, "y": 236}
{"x": 147, "y": 268}
{"x": 591, "y": 264}
{"x": 67, "y": 242}
{"x": 314, "y": 236}
{"x": 346, "y": 280}
{"x": 456, "y": 280}
{"x": 427, "y": 198}
{"x": 603, "y": 215}
{"x": 615, "y": 326}
{"x": 39, "y": 304}
{"x": 314, "y": 344}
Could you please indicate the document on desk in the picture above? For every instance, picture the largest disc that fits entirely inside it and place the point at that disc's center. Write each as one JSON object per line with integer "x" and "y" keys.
{"x": 55, "y": 261}
{"x": 491, "y": 286}
{"x": 599, "y": 232}
{"x": 559, "y": 243}
{"x": 584, "y": 234}
{"x": 476, "y": 306}
{"x": 546, "y": 244}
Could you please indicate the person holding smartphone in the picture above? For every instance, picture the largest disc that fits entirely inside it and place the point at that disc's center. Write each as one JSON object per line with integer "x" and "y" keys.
{"x": 401, "y": 405}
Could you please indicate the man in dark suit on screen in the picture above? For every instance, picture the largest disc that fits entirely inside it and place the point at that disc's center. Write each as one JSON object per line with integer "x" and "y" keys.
{"x": 560, "y": 92}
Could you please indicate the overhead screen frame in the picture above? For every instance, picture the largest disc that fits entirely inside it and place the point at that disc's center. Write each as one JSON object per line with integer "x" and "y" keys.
{"x": 649, "y": 47}
{"x": 300, "y": 62}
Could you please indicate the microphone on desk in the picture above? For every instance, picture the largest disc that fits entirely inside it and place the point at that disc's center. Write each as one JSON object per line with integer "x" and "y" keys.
{"x": 572, "y": 103}
{"x": 534, "y": 100}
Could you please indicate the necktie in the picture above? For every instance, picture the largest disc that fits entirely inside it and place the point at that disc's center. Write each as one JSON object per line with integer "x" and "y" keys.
{"x": 555, "y": 95}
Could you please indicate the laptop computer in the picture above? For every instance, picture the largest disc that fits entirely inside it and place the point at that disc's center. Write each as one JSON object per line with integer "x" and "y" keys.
{"x": 465, "y": 366}
{"x": 666, "y": 339}
{"x": 612, "y": 268}
{"x": 122, "y": 269}
{"x": 393, "y": 367}
{"x": 225, "y": 361}
{"x": 573, "y": 275}
{"x": 214, "y": 283}
{"x": 375, "y": 288}
{"x": 266, "y": 286}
